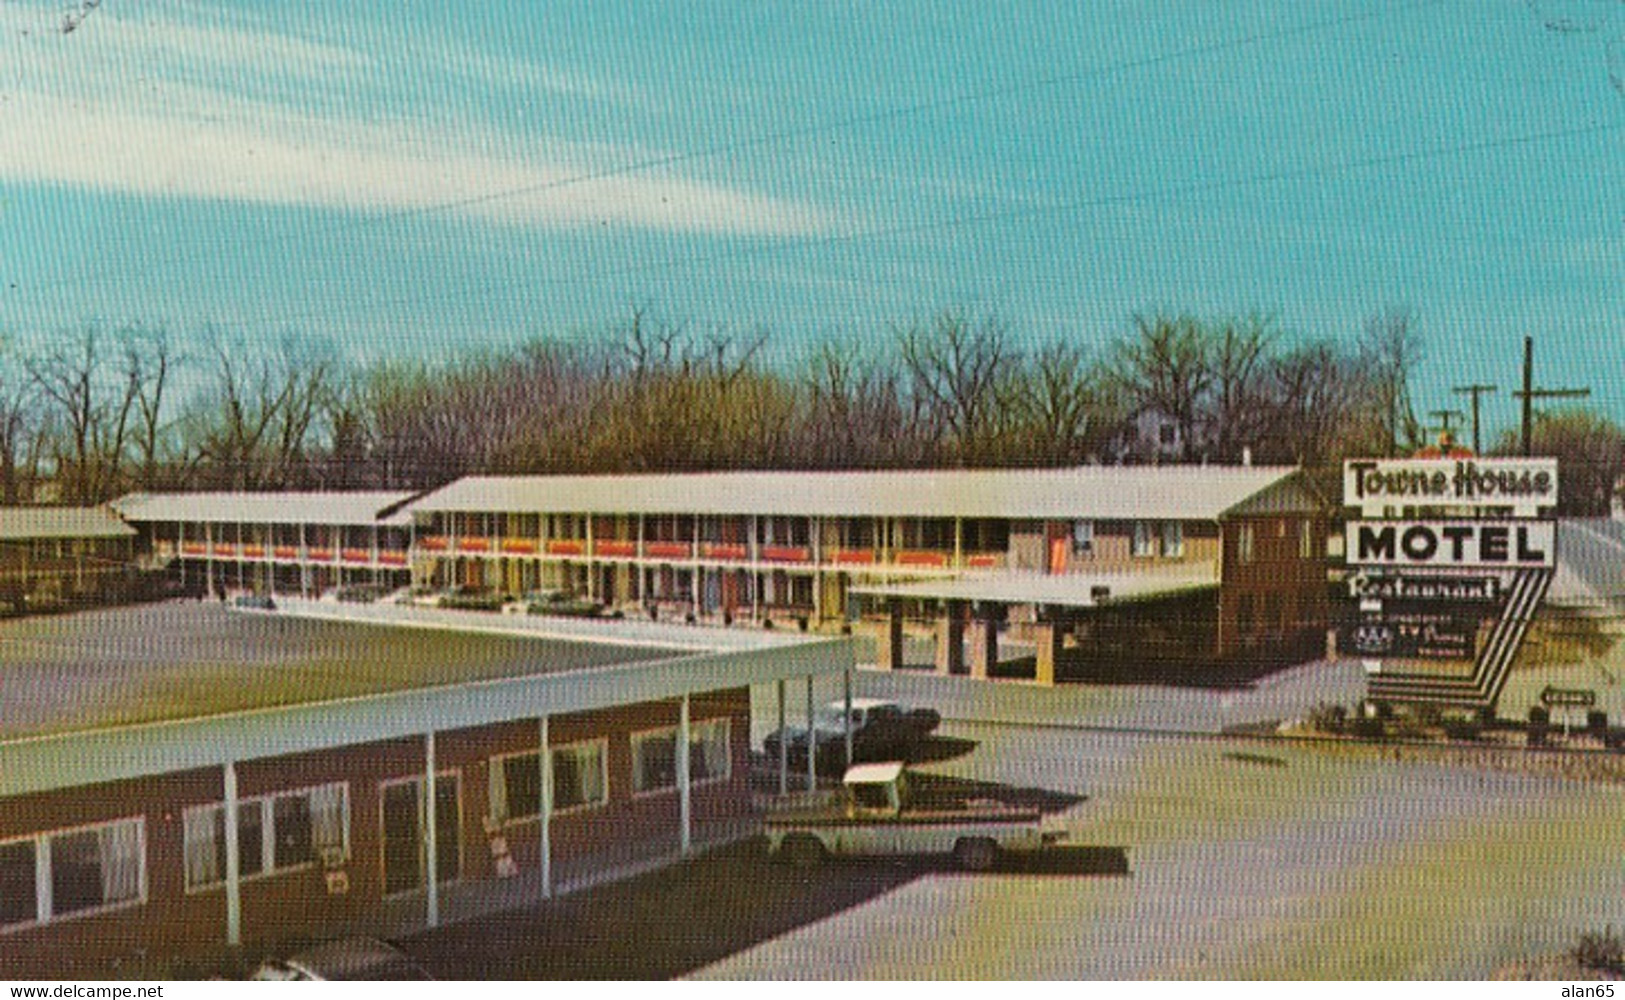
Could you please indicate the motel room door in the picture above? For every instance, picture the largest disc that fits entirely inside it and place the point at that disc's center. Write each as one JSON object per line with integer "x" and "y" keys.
{"x": 404, "y": 832}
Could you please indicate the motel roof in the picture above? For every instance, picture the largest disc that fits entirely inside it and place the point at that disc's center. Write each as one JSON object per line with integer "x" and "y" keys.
{"x": 20, "y": 523}
{"x": 123, "y": 692}
{"x": 1183, "y": 492}
{"x": 350, "y": 507}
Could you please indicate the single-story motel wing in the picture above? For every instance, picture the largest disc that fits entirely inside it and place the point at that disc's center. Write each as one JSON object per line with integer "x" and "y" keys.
{"x": 192, "y": 832}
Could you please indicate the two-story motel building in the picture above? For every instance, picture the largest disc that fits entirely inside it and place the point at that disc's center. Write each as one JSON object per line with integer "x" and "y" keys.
{"x": 1182, "y": 566}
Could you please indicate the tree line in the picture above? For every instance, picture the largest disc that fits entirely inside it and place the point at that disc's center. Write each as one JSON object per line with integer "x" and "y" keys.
{"x": 102, "y": 412}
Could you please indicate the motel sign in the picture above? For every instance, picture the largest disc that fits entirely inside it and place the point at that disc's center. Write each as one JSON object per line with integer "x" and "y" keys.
{"x": 1452, "y": 544}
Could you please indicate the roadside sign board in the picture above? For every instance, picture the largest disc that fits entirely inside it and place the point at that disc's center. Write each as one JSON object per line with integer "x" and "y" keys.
{"x": 1478, "y": 545}
{"x": 1556, "y": 697}
{"x": 1414, "y": 635}
{"x": 1380, "y": 487}
{"x": 1380, "y": 585}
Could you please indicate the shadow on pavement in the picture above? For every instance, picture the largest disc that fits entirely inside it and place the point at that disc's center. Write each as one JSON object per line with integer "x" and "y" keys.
{"x": 676, "y": 920}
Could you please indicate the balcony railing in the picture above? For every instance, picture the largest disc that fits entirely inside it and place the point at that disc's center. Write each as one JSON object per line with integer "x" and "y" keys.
{"x": 473, "y": 544}
{"x": 566, "y": 547}
{"x": 285, "y": 553}
{"x": 356, "y": 555}
{"x": 668, "y": 550}
{"x": 519, "y": 546}
{"x": 434, "y": 543}
{"x": 614, "y": 548}
{"x": 785, "y": 554}
{"x": 224, "y": 550}
{"x": 194, "y": 549}
{"x": 731, "y": 551}
{"x": 392, "y": 557}
{"x": 922, "y": 557}
{"x": 319, "y": 555}
{"x": 253, "y": 552}
{"x": 853, "y": 557}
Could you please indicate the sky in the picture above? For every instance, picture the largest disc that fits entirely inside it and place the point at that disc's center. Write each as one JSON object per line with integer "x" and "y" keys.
{"x": 418, "y": 178}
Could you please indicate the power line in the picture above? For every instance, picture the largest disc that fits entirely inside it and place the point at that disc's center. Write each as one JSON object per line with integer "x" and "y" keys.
{"x": 1016, "y": 214}
{"x": 782, "y": 135}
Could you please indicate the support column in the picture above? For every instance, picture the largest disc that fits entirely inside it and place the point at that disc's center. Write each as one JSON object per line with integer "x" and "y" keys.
{"x": 544, "y": 760}
{"x": 984, "y": 643}
{"x": 951, "y": 639}
{"x": 1044, "y": 635}
{"x": 846, "y": 723}
{"x": 431, "y": 836}
{"x": 234, "y": 865}
{"x": 685, "y": 797}
{"x": 889, "y": 644}
{"x": 784, "y": 742}
{"x": 812, "y": 739}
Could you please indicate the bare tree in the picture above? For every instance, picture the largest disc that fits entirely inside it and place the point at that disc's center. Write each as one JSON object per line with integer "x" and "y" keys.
{"x": 1164, "y": 366}
{"x": 1062, "y": 406}
{"x": 19, "y": 430}
{"x": 94, "y": 404}
{"x": 1236, "y": 415}
{"x": 1390, "y": 352}
{"x": 956, "y": 369}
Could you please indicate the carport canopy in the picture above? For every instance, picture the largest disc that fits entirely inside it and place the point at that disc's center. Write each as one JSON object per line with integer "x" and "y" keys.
{"x": 1074, "y": 590}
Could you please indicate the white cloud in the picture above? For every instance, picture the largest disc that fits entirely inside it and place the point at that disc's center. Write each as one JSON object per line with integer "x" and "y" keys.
{"x": 195, "y": 111}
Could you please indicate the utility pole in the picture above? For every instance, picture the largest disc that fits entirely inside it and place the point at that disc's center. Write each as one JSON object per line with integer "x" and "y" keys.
{"x": 1530, "y": 393}
{"x": 1475, "y": 390}
{"x": 1445, "y": 418}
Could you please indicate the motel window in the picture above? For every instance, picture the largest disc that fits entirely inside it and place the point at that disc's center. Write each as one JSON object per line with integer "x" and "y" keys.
{"x": 1244, "y": 543}
{"x": 1083, "y": 538}
{"x": 19, "y": 897}
{"x": 516, "y": 787}
{"x": 1306, "y": 539}
{"x": 654, "y": 756}
{"x": 1173, "y": 539}
{"x": 1144, "y": 540}
{"x": 1246, "y": 624}
{"x": 580, "y": 775}
{"x": 275, "y": 833}
{"x": 73, "y": 872}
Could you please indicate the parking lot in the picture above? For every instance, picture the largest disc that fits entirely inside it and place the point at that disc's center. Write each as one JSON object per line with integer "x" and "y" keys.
{"x": 1193, "y": 857}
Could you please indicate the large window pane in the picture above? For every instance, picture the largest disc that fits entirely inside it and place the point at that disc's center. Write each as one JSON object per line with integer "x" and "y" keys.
{"x": 291, "y": 819}
{"x": 76, "y": 872}
{"x": 654, "y": 761}
{"x": 522, "y": 781}
{"x": 250, "y": 838}
{"x": 18, "y": 894}
{"x": 709, "y": 754}
{"x": 578, "y": 776}
{"x": 205, "y": 846}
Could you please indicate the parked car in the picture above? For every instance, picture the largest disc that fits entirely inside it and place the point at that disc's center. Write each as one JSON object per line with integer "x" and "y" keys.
{"x": 881, "y": 730}
{"x": 254, "y": 602}
{"x": 876, "y": 813}
{"x": 357, "y": 958}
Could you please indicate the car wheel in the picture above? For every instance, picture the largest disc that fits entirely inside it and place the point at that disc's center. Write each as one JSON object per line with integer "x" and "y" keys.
{"x": 976, "y": 854}
{"x": 802, "y": 850}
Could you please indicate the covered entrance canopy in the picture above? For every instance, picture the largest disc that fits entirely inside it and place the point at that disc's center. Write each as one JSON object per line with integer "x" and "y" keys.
{"x": 971, "y": 606}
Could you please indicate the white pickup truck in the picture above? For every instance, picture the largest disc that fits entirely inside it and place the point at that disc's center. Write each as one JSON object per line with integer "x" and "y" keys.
{"x": 874, "y": 814}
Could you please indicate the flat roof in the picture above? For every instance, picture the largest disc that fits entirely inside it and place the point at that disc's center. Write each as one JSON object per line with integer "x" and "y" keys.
{"x": 179, "y": 659}
{"x": 18, "y": 523}
{"x": 1169, "y": 492}
{"x": 127, "y": 692}
{"x": 1077, "y": 590}
{"x": 346, "y": 507}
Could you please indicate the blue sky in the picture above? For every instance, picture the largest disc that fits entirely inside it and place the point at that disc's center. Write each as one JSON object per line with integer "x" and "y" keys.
{"x": 416, "y": 177}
